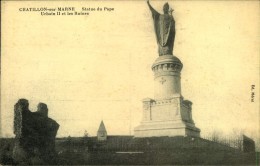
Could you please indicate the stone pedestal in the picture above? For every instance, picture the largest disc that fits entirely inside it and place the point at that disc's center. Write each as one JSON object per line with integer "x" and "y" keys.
{"x": 167, "y": 114}
{"x": 167, "y": 79}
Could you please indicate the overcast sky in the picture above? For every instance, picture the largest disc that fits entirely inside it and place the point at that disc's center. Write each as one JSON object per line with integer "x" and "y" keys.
{"x": 89, "y": 68}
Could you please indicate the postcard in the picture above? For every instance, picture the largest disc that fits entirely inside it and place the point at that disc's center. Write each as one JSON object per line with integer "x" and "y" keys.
{"x": 130, "y": 82}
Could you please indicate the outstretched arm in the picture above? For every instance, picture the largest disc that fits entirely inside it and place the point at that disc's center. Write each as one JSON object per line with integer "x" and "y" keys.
{"x": 154, "y": 12}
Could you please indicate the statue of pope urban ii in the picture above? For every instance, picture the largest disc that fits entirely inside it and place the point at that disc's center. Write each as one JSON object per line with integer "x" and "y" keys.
{"x": 164, "y": 26}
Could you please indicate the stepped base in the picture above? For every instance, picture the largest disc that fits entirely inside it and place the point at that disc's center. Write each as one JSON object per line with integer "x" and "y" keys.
{"x": 166, "y": 128}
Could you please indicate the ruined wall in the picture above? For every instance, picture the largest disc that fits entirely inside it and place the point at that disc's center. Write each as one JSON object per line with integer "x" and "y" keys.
{"x": 34, "y": 135}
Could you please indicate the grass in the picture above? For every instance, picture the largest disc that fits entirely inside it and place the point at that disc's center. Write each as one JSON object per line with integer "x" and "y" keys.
{"x": 156, "y": 151}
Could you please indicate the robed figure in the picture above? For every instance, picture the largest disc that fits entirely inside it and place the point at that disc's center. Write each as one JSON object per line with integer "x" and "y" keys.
{"x": 164, "y": 26}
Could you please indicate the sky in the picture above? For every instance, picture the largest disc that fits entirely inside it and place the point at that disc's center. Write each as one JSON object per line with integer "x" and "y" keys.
{"x": 98, "y": 67}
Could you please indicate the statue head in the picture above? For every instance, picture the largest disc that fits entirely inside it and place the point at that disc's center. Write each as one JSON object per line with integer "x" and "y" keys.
{"x": 22, "y": 104}
{"x": 166, "y": 8}
{"x": 42, "y": 109}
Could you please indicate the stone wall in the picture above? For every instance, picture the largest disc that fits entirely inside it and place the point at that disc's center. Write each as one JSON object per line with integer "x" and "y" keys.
{"x": 34, "y": 135}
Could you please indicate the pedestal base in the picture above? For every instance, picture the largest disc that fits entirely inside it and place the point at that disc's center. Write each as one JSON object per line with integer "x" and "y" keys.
{"x": 168, "y": 114}
{"x": 166, "y": 128}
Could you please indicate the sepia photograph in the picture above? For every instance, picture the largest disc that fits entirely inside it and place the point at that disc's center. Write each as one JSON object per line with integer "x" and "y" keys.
{"x": 129, "y": 82}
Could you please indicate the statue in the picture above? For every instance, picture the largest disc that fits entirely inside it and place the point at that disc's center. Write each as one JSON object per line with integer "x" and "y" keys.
{"x": 164, "y": 26}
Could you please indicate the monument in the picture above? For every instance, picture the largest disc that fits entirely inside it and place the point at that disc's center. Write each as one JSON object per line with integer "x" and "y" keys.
{"x": 168, "y": 114}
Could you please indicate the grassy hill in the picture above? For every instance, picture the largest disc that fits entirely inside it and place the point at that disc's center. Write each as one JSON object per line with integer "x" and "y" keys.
{"x": 146, "y": 151}
{"x": 141, "y": 151}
